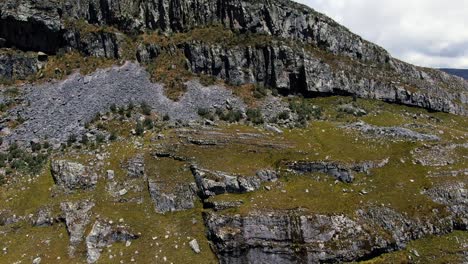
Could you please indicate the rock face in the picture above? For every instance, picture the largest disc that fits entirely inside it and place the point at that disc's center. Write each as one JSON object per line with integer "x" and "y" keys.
{"x": 300, "y": 237}
{"x": 341, "y": 172}
{"x": 77, "y": 216}
{"x": 18, "y": 65}
{"x": 182, "y": 197}
{"x": 364, "y": 69}
{"x": 277, "y": 237}
{"x": 136, "y": 167}
{"x": 212, "y": 183}
{"x": 455, "y": 196}
{"x": 392, "y": 132}
{"x": 104, "y": 234}
{"x": 72, "y": 176}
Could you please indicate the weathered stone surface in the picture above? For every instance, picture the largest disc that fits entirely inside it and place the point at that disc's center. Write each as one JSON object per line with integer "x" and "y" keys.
{"x": 72, "y": 176}
{"x": 455, "y": 196}
{"x": 212, "y": 183}
{"x": 104, "y": 234}
{"x": 8, "y": 218}
{"x": 15, "y": 65}
{"x": 182, "y": 197}
{"x": 391, "y": 132}
{"x": 136, "y": 167}
{"x": 43, "y": 217}
{"x": 300, "y": 237}
{"x": 340, "y": 171}
{"x": 77, "y": 216}
{"x": 282, "y": 237}
{"x": 437, "y": 155}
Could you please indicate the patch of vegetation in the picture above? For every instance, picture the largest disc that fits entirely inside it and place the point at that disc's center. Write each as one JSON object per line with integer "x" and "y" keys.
{"x": 305, "y": 111}
{"x": 171, "y": 70}
{"x": 255, "y": 116}
{"x": 230, "y": 116}
{"x": 145, "y": 108}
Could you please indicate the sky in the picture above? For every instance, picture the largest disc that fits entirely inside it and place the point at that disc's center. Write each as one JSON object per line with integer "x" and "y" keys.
{"x": 430, "y": 33}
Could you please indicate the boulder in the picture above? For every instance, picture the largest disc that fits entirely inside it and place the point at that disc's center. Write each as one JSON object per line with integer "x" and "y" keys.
{"x": 77, "y": 216}
{"x": 72, "y": 175}
{"x": 104, "y": 234}
{"x": 180, "y": 198}
{"x": 136, "y": 167}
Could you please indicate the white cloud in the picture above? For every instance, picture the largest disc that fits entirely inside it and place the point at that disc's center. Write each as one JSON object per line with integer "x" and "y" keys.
{"x": 432, "y": 33}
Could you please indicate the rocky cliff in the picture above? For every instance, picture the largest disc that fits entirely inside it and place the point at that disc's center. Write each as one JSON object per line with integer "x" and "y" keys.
{"x": 297, "y": 49}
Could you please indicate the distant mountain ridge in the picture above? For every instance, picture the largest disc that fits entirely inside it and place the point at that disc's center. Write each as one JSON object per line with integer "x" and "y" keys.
{"x": 457, "y": 72}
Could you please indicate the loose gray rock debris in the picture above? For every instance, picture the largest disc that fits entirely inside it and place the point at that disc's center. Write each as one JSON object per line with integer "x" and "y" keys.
{"x": 72, "y": 175}
{"x": 104, "y": 234}
{"x": 391, "y": 132}
{"x": 77, "y": 216}
{"x": 57, "y": 110}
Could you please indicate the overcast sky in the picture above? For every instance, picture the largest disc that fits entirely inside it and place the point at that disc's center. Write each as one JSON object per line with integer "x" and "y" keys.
{"x": 432, "y": 33}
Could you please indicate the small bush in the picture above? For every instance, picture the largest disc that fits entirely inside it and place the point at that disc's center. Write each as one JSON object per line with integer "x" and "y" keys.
{"x": 255, "y": 116}
{"x": 166, "y": 117}
{"x": 71, "y": 139}
{"x": 145, "y": 108}
{"x": 260, "y": 91}
{"x": 130, "y": 106}
{"x": 139, "y": 130}
{"x": 121, "y": 111}
{"x": 148, "y": 123}
{"x": 100, "y": 138}
{"x": 113, "y": 108}
{"x": 113, "y": 136}
{"x": 36, "y": 146}
{"x": 84, "y": 140}
{"x": 283, "y": 115}
{"x": 231, "y": 116}
{"x": 203, "y": 112}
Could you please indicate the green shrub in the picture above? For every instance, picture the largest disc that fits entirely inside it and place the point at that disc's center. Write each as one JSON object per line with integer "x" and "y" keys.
{"x": 203, "y": 112}
{"x": 255, "y": 116}
{"x": 113, "y": 136}
{"x": 145, "y": 108}
{"x": 166, "y": 117}
{"x": 231, "y": 116}
{"x": 113, "y": 108}
{"x": 148, "y": 123}
{"x": 283, "y": 115}
{"x": 71, "y": 139}
{"x": 84, "y": 139}
{"x": 139, "y": 129}
{"x": 36, "y": 146}
{"x": 100, "y": 138}
{"x": 260, "y": 91}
